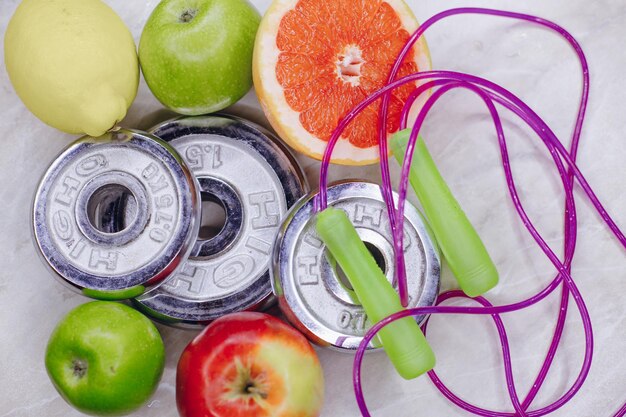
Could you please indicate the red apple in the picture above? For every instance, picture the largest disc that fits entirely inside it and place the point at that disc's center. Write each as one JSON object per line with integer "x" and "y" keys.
{"x": 249, "y": 365}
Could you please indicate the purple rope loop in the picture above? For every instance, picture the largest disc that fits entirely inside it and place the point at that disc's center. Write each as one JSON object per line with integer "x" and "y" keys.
{"x": 564, "y": 161}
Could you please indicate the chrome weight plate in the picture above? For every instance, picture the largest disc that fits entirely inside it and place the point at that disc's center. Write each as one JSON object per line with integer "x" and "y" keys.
{"x": 312, "y": 291}
{"x": 255, "y": 179}
{"x": 76, "y": 224}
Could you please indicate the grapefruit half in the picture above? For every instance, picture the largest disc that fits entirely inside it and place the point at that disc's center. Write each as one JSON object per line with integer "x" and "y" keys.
{"x": 314, "y": 60}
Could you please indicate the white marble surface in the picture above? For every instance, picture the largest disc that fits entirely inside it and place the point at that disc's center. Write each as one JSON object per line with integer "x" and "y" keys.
{"x": 536, "y": 65}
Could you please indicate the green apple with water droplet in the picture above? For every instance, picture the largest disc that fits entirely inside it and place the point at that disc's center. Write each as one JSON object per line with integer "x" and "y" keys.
{"x": 105, "y": 358}
{"x": 196, "y": 55}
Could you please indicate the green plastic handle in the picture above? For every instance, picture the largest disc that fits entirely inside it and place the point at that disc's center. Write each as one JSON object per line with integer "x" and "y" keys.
{"x": 403, "y": 340}
{"x": 461, "y": 246}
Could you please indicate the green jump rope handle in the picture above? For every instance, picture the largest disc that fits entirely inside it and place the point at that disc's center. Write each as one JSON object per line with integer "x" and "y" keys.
{"x": 460, "y": 244}
{"x": 403, "y": 340}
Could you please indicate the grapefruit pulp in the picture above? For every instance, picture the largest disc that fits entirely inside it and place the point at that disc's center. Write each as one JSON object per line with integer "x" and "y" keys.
{"x": 314, "y": 60}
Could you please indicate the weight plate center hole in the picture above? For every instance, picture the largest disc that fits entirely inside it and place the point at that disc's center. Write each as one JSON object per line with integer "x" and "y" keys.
{"x": 378, "y": 257}
{"x": 112, "y": 208}
{"x": 213, "y": 217}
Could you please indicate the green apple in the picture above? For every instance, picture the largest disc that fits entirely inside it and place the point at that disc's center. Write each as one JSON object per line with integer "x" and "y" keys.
{"x": 105, "y": 358}
{"x": 196, "y": 55}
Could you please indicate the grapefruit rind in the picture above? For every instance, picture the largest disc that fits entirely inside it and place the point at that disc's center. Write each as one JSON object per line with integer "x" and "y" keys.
{"x": 285, "y": 120}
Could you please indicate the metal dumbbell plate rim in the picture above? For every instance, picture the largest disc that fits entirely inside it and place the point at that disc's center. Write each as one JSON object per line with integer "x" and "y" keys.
{"x": 311, "y": 292}
{"x": 156, "y": 239}
{"x": 255, "y": 178}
